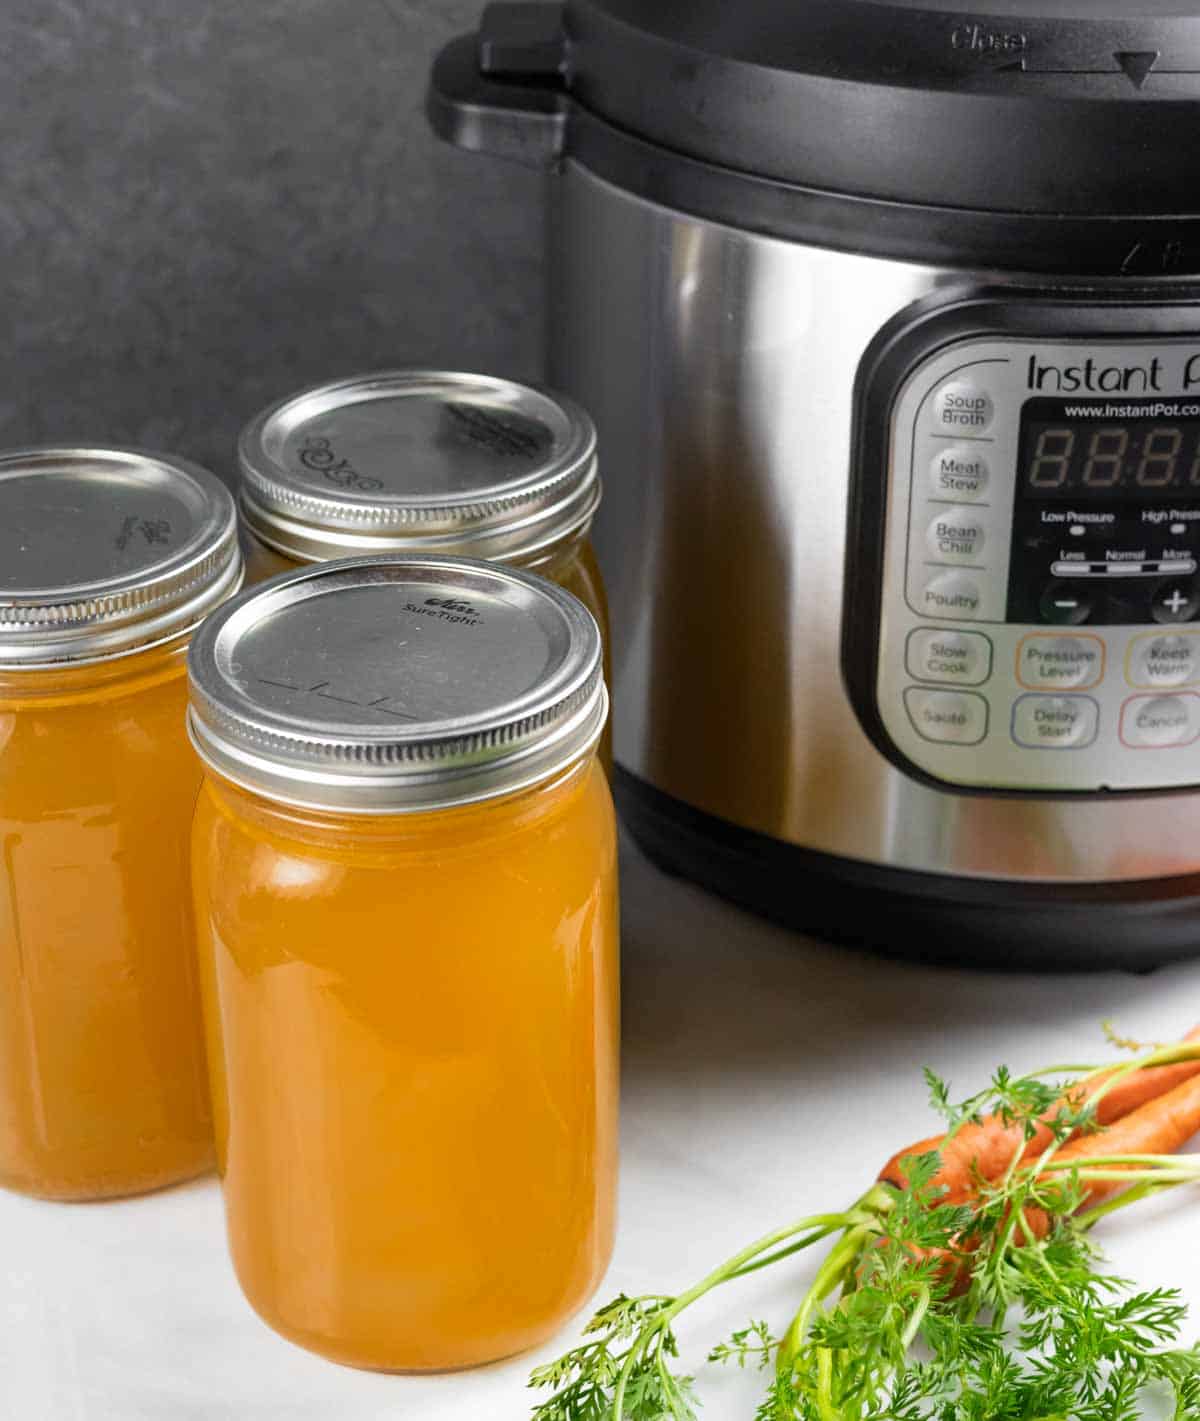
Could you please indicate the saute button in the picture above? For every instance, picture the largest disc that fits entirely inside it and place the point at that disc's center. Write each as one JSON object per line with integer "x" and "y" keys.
{"x": 956, "y": 535}
{"x": 1053, "y": 662}
{"x": 959, "y": 473}
{"x": 951, "y": 594}
{"x": 1067, "y": 603}
{"x": 1055, "y": 722}
{"x": 962, "y": 408}
{"x": 1156, "y": 722}
{"x": 962, "y": 658}
{"x": 950, "y": 717}
{"x": 1163, "y": 661}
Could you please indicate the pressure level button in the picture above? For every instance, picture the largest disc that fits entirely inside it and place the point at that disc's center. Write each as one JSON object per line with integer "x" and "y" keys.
{"x": 959, "y": 473}
{"x": 960, "y": 407}
{"x": 956, "y": 535}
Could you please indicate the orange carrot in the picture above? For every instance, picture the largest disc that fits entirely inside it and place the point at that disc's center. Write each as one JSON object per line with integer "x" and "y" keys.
{"x": 1160, "y": 1127}
{"x": 985, "y": 1150}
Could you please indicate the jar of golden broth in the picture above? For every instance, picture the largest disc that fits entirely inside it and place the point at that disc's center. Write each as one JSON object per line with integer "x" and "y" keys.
{"x": 405, "y": 881}
{"x": 425, "y": 462}
{"x": 108, "y": 560}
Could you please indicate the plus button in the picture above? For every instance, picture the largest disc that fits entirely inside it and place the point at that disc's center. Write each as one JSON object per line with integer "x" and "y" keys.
{"x": 1175, "y": 601}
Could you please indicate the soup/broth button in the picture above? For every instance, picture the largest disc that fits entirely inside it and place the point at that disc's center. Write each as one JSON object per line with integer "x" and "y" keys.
{"x": 960, "y": 407}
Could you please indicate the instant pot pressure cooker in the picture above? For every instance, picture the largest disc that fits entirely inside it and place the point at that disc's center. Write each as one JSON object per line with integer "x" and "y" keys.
{"x": 889, "y": 315}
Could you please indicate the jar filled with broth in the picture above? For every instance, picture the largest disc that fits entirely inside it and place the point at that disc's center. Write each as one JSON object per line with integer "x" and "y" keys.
{"x": 405, "y": 884}
{"x": 109, "y": 559}
{"x": 425, "y": 462}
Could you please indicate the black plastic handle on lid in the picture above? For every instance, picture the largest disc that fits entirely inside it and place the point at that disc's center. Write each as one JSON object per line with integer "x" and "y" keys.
{"x": 502, "y": 91}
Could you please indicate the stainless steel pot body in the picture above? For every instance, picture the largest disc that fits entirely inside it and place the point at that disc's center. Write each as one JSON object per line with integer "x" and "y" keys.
{"x": 720, "y": 367}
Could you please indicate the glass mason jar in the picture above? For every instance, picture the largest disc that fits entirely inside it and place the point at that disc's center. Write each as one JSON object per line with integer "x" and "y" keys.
{"x": 404, "y": 865}
{"x": 108, "y": 560}
{"x": 425, "y": 462}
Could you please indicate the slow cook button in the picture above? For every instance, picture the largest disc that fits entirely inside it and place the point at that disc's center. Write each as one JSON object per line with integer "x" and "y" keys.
{"x": 1156, "y": 661}
{"x": 1060, "y": 662}
{"x": 948, "y": 717}
{"x": 956, "y": 535}
{"x": 954, "y": 657}
{"x": 1160, "y": 722}
{"x": 951, "y": 594}
{"x": 959, "y": 474}
{"x": 1055, "y": 722}
{"x": 960, "y": 407}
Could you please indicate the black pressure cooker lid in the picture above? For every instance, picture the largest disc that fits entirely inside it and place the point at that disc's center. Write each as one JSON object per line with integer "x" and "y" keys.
{"x": 1047, "y": 106}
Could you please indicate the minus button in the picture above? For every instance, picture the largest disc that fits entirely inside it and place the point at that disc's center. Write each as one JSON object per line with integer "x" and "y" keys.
{"x": 1065, "y": 605}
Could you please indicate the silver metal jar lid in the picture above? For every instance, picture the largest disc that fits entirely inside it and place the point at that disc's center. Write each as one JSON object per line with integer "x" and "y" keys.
{"x": 415, "y": 461}
{"x": 393, "y": 684}
{"x": 107, "y": 551}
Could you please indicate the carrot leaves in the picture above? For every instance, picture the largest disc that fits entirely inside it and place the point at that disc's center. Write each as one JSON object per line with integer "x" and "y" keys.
{"x": 925, "y": 1308}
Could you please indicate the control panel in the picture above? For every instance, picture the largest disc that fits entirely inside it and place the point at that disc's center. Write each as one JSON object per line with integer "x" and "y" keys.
{"x": 1039, "y": 621}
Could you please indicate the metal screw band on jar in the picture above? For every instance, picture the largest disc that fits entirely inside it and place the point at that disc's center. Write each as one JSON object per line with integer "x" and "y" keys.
{"x": 108, "y": 551}
{"x": 393, "y": 684}
{"x": 418, "y": 461}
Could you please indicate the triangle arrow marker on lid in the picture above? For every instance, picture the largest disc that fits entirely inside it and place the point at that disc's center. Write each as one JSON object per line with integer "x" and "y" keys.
{"x": 1137, "y": 64}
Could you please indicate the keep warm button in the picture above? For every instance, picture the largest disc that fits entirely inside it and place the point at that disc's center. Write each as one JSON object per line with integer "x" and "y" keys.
{"x": 1055, "y": 722}
{"x": 1160, "y": 722}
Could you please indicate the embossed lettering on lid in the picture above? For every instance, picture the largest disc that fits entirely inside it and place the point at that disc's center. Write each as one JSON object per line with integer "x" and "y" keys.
{"x": 380, "y": 685}
{"x": 106, "y": 551}
{"x": 418, "y": 461}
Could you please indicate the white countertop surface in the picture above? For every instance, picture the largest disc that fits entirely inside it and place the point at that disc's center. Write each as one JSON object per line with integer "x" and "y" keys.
{"x": 766, "y": 1077}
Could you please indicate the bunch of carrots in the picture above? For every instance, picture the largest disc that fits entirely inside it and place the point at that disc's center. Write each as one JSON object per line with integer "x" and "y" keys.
{"x": 961, "y": 1286}
{"x": 1134, "y": 1118}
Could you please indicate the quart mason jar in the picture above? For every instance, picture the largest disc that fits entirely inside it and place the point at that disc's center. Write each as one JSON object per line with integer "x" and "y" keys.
{"x": 405, "y": 878}
{"x": 425, "y": 462}
{"x": 108, "y": 560}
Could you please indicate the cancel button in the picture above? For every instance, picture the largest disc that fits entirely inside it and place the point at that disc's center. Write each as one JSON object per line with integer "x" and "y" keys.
{"x": 1159, "y": 722}
{"x": 1055, "y": 722}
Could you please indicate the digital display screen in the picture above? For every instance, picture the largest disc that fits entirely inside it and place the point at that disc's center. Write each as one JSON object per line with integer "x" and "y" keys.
{"x": 1104, "y": 449}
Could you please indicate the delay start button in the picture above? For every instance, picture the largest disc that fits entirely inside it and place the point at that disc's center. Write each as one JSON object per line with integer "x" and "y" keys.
{"x": 1055, "y": 722}
{"x": 960, "y": 407}
{"x": 1060, "y": 662}
{"x": 947, "y": 717}
{"x": 1160, "y": 722}
{"x": 956, "y": 535}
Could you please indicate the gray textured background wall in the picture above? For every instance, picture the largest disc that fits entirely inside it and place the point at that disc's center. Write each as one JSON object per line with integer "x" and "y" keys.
{"x": 205, "y": 203}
